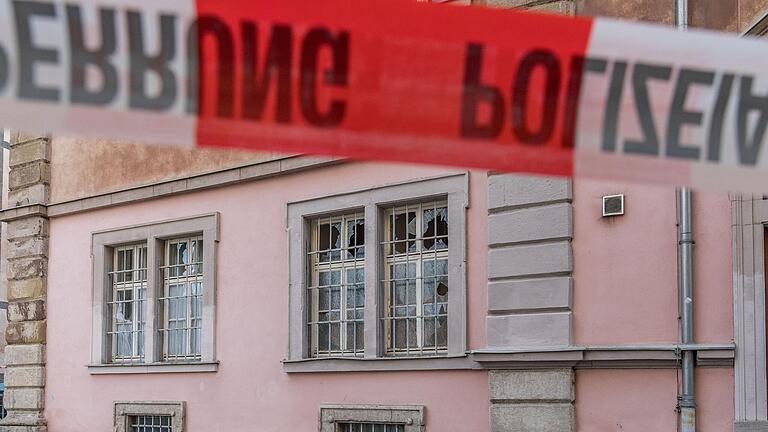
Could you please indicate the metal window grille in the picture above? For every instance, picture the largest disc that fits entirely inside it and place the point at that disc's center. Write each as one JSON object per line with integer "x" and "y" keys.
{"x": 371, "y": 427}
{"x": 416, "y": 278}
{"x": 151, "y": 423}
{"x": 126, "y": 304}
{"x": 182, "y": 299}
{"x": 336, "y": 289}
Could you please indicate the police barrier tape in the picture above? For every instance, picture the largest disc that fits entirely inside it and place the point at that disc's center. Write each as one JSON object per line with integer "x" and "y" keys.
{"x": 394, "y": 80}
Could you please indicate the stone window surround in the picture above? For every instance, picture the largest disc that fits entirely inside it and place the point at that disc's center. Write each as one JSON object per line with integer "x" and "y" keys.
{"x": 372, "y": 202}
{"x": 412, "y": 416}
{"x": 154, "y": 234}
{"x": 125, "y": 409}
{"x": 749, "y": 215}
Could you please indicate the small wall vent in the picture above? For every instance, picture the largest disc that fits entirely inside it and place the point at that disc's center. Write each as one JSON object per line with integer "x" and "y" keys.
{"x": 613, "y": 205}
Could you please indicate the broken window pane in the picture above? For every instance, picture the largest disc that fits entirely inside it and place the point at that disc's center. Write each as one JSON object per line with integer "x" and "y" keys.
{"x": 435, "y": 226}
{"x": 356, "y": 238}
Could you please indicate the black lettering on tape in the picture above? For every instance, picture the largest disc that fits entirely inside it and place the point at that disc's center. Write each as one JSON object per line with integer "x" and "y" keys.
{"x": 225, "y": 66}
{"x": 612, "y": 105}
{"x": 749, "y": 149}
{"x": 679, "y": 116}
{"x": 277, "y": 62}
{"x": 641, "y": 74}
{"x": 29, "y": 54}
{"x": 474, "y": 93}
{"x": 337, "y": 75}
{"x": 572, "y": 93}
{"x": 547, "y": 61}
{"x": 81, "y": 57}
{"x": 140, "y": 63}
{"x": 715, "y": 135}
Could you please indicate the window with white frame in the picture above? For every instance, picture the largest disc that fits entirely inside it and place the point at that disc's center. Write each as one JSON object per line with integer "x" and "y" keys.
{"x": 378, "y": 273}
{"x": 336, "y": 289}
{"x": 156, "y": 303}
{"x": 182, "y": 299}
{"x": 416, "y": 278}
{"x": 127, "y": 304}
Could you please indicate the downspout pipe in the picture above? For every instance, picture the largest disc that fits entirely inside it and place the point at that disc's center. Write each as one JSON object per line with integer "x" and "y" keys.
{"x": 685, "y": 266}
{"x": 681, "y": 14}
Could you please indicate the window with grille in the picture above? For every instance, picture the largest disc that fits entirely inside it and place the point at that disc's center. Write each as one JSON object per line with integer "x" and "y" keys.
{"x": 378, "y": 273}
{"x": 181, "y": 300}
{"x": 336, "y": 291}
{"x": 416, "y": 278}
{"x": 127, "y": 304}
{"x": 371, "y": 427}
{"x": 150, "y": 423}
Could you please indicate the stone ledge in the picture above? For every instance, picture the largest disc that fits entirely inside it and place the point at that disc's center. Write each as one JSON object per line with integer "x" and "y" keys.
{"x": 142, "y": 368}
{"x": 22, "y": 212}
{"x": 342, "y": 364}
{"x": 194, "y": 183}
{"x": 603, "y": 356}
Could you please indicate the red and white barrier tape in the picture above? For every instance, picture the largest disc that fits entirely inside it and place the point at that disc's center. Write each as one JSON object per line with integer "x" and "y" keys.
{"x": 394, "y": 80}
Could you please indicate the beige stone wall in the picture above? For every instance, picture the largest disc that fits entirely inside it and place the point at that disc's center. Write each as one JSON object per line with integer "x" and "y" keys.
{"x": 87, "y": 167}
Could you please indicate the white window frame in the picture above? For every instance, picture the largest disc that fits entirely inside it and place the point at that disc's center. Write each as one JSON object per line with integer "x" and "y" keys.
{"x": 124, "y": 410}
{"x": 136, "y": 287}
{"x": 342, "y": 265}
{"x": 418, "y": 258}
{"x": 451, "y": 188}
{"x": 154, "y": 235}
{"x": 197, "y": 278}
{"x": 332, "y": 416}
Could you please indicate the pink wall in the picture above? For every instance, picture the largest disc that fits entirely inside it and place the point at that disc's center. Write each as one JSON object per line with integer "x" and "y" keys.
{"x": 625, "y": 268}
{"x": 250, "y": 392}
{"x": 645, "y": 400}
{"x": 625, "y": 292}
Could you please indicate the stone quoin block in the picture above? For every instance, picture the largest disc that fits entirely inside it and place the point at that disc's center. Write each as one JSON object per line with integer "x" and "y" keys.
{"x": 25, "y": 332}
{"x": 20, "y": 355}
{"x": 530, "y": 294}
{"x": 532, "y": 385}
{"x": 26, "y": 310}
{"x": 508, "y": 190}
{"x": 26, "y": 288}
{"x": 529, "y": 224}
{"x": 532, "y": 418}
{"x": 26, "y": 247}
{"x": 29, "y": 174}
{"x": 23, "y": 268}
{"x": 529, "y": 330}
{"x": 25, "y": 376}
{"x": 27, "y": 227}
{"x": 24, "y": 398}
{"x": 32, "y": 151}
{"x": 35, "y": 194}
{"x": 532, "y": 259}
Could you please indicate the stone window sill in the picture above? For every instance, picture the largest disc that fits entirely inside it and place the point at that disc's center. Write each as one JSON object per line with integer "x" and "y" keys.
{"x": 347, "y": 364}
{"x": 149, "y": 368}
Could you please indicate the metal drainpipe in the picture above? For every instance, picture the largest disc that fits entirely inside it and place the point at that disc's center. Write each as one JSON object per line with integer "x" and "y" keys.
{"x": 685, "y": 263}
{"x": 685, "y": 258}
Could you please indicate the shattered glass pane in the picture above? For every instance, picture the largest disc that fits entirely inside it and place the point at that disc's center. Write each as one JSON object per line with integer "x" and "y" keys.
{"x": 435, "y": 228}
{"x": 330, "y": 241}
{"x": 356, "y": 238}
{"x": 404, "y": 231}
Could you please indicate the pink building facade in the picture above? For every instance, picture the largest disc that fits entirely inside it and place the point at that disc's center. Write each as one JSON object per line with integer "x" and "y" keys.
{"x": 161, "y": 290}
